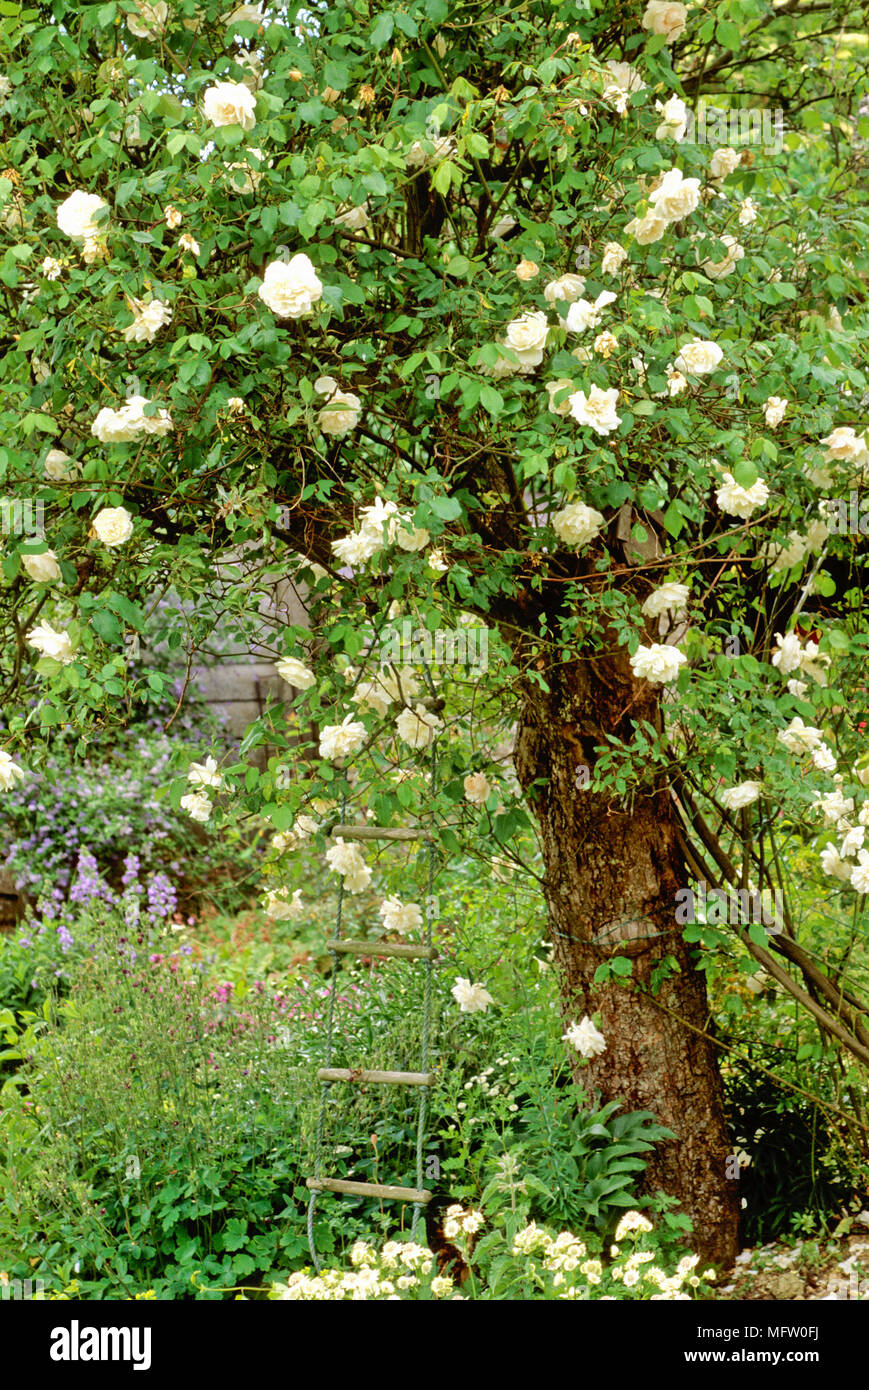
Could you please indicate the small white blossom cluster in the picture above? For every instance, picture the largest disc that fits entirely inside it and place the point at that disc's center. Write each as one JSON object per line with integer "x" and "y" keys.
{"x": 382, "y": 524}
{"x": 401, "y": 1270}
{"x": 205, "y": 776}
{"x": 130, "y": 422}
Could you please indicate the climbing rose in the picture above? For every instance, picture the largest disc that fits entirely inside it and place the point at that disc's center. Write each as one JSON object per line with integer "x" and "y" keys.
{"x": 471, "y": 999}
{"x": 597, "y": 409}
{"x": 400, "y": 917}
{"x": 230, "y": 103}
{"x": 566, "y": 288}
{"x": 337, "y": 740}
{"x": 113, "y": 525}
{"x": 774, "y": 410}
{"x": 291, "y": 288}
{"x": 699, "y": 356}
{"x": 741, "y": 501}
{"x": 723, "y": 162}
{"x": 675, "y": 197}
{"x": 150, "y": 20}
{"x": 613, "y": 258}
{"x": 586, "y": 1038}
{"x": 204, "y": 774}
{"x": 577, "y": 524}
{"x": 295, "y": 673}
{"x": 10, "y": 772}
{"x": 477, "y": 788}
{"x": 667, "y": 598}
{"x": 281, "y": 908}
{"x": 197, "y": 805}
{"x": 50, "y": 643}
{"x": 665, "y": 17}
{"x": 76, "y": 216}
{"x": 526, "y": 335}
{"x": 148, "y": 319}
{"x": 416, "y": 727}
{"x": 659, "y": 664}
{"x": 341, "y": 410}
{"x": 43, "y": 568}
{"x": 743, "y": 794}
{"x": 60, "y": 467}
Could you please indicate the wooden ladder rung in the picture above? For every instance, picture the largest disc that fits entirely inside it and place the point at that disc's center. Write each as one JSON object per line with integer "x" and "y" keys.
{"x": 417, "y": 1195}
{"x": 383, "y": 948}
{"x": 376, "y": 832}
{"x": 377, "y": 1078}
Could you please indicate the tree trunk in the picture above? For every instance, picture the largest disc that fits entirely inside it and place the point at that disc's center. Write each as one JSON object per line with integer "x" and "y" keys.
{"x": 612, "y": 870}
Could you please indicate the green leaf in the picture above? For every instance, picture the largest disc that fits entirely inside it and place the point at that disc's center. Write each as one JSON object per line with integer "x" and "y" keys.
{"x": 744, "y": 473}
{"x": 382, "y": 30}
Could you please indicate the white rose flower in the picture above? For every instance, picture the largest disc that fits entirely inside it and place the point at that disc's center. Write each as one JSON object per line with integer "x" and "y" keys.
{"x": 43, "y": 568}
{"x": 774, "y": 410}
{"x": 400, "y": 917}
{"x": 613, "y": 258}
{"x": 658, "y": 664}
{"x": 147, "y": 321}
{"x": 342, "y": 409}
{"x": 606, "y": 343}
{"x": 743, "y": 794}
{"x": 76, "y": 216}
{"x": 354, "y": 219}
{"x": 647, "y": 228}
{"x": 623, "y": 80}
{"x": 553, "y": 387}
{"x": 10, "y": 772}
{"x": 281, "y": 906}
{"x": 295, "y": 673}
{"x": 698, "y": 357}
{"x": 676, "y": 382}
{"x": 204, "y": 774}
{"x": 51, "y": 643}
{"x": 586, "y": 1038}
{"x": 150, "y": 21}
{"x": 844, "y": 443}
{"x": 471, "y": 999}
{"x": 291, "y": 288}
{"x": 597, "y": 409}
{"x": 113, "y": 525}
{"x": 478, "y": 788}
{"x": 747, "y": 212}
{"x": 716, "y": 270}
{"x": 833, "y": 865}
{"x": 357, "y": 548}
{"x": 667, "y": 598}
{"x": 566, "y": 289}
{"x": 412, "y": 538}
{"x": 59, "y": 467}
{"x": 799, "y": 737}
{"x": 675, "y": 123}
{"x": 416, "y": 727}
{"x": 347, "y": 860}
{"x": 189, "y": 243}
{"x": 51, "y": 268}
{"x": 339, "y": 740}
{"x": 438, "y": 561}
{"x": 741, "y": 501}
{"x": 235, "y": 406}
{"x": 823, "y": 758}
{"x": 173, "y": 217}
{"x": 418, "y": 156}
{"x": 852, "y": 841}
{"x": 723, "y": 162}
{"x": 230, "y": 103}
{"x": 583, "y": 314}
{"x": 130, "y": 422}
{"x": 788, "y": 654}
{"x": 197, "y": 805}
{"x": 527, "y": 270}
{"x": 577, "y": 524}
{"x": 526, "y": 336}
{"x": 675, "y": 197}
{"x": 665, "y": 17}
{"x": 859, "y": 876}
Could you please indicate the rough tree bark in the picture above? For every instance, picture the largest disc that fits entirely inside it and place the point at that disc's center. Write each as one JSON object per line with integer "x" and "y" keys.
{"x": 612, "y": 870}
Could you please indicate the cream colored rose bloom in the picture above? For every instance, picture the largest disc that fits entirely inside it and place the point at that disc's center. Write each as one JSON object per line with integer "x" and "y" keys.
{"x": 230, "y": 103}
{"x": 740, "y": 501}
{"x": 774, "y": 410}
{"x": 553, "y": 387}
{"x": 417, "y": 727}
{"x": 716, "y": 270}
{"x": 723, "y": 162}
{"x": 150, "y": 20}
{"x": 59, "y": 467}
{"x": 606, "y": 343}
{"x": 197, "y": 805}
{"x": 10, "y": 772}
{"x": 658, "y": 663}
{"x": 148, "y": 320}
{"x": 526, "y": 270}
{"x": 291, "y": 288}
{"x": 295, "y": 673}
{"x": 113, "y": 525}
{"x": 675, "y": 197}
{"x": 698, "y": 357}
{"x": 526, "y": 335}
{"x": 342, "y": 409}
{"x": 567, "y": 288}
{"x": 478, "y": 789}
{"x": 577, "y": 524}
{"x": 51, "y": 643}
{"x": 667, "y": 598}
{"x": 675, "y": 123}
{"x": 76, "y": 216}
{"x": 665, "y": 17}
{"x": 354, "y": 219}
{"x": 189, "y": 243}
{"x": 597, "y": 409}
{"x": 43, "y": 568}
{"x": 844, "y": 443}
{"x": 173, "y": 217}
{"x": 613, "y": 258}
{"x": 647, "y": 228}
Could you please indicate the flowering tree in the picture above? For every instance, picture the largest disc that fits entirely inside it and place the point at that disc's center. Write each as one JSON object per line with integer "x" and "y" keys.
{"x": 473, "y": 320}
